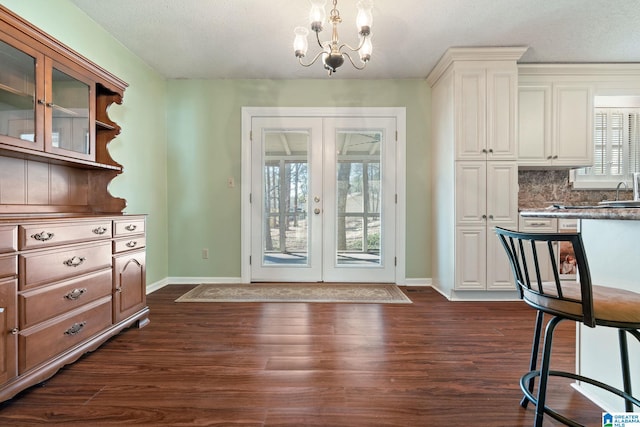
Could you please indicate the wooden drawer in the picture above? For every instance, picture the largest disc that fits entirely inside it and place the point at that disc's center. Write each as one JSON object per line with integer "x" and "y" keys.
{"x": 39, "y": 268}
{"x": 124, "y": 245}
{"x": 8, "y": 265}
{"x": 8, "y": 238}
{"x": 49, "y": 339}
{"x": 52, "y": 234}
{"x": 50, "y": 301}
{"x": 128, "y": 227}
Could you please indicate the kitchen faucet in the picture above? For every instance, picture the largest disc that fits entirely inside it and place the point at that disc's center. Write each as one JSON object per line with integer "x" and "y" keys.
{"x": 626, "y": 187}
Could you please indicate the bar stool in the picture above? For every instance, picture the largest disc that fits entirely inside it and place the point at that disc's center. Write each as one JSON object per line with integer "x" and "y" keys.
{"x": 580, "y": 301}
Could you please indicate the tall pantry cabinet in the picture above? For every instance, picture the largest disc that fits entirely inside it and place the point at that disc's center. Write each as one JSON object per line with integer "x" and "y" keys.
{"x": 72, "y": 265}
{"x": 474, "y": 168}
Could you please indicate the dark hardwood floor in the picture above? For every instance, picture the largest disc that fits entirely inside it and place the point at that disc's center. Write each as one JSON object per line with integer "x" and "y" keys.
{"x": 430, "y": 363}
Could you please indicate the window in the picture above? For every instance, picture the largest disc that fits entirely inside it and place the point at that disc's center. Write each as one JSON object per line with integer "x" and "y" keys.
{"x": 616, "y": 141}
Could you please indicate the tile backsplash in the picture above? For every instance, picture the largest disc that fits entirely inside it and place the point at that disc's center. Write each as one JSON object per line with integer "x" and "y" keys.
{"x": 539, "y": 189}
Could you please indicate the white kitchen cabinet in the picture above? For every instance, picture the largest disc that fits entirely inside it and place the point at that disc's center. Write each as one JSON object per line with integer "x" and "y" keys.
{"x": 485, "y": 96}
{"x": 486, "y": 197}
{"x": 475, "y": 188}
{"x": 555, "y": 124}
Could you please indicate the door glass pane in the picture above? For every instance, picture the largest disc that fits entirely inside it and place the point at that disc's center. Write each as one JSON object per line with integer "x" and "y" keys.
{"x": 17, "y": 93}
{"x": 70, "y": 113}
{"x": 286, "y": 201}
{"x": 358, "y": 197}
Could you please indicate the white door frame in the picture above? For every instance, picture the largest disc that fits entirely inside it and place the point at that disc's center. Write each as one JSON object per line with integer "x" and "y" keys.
{"x": 399, "y": 113}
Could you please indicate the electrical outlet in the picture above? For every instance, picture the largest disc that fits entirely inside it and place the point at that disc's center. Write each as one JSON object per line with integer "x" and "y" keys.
{"x": 205, "y": 253}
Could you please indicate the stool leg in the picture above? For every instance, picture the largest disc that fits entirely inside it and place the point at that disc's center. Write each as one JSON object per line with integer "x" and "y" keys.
{"x": 534, "y": 354}
{"x": 624, "y": 360}
{"x": 545, "y": 365}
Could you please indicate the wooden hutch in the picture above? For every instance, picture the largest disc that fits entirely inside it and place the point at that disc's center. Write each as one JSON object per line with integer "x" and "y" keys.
{"x": 72, "y": 265}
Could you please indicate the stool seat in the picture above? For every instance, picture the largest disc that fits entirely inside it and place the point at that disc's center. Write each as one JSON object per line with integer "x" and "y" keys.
{"x": 576, "y": 300}
{"x": 611, "y": 306}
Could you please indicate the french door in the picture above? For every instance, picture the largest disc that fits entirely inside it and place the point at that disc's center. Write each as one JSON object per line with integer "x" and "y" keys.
{"x": 323, "y": 194}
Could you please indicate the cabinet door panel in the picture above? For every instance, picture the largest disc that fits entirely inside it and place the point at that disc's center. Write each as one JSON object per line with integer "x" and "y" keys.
{"x": 502, "y": 193}
{"x": 573, "y": 136}
{"x": 8, "y": 321}
{"x": 471, "y": 258}
{"x": 501, "y": 109}
{"x": 499, "y": 275}
{"x": 534, "y": 125}
{"x": 471, "y": 127}
{"x": 129, "y": 285}
{"x": 471, "y": 188}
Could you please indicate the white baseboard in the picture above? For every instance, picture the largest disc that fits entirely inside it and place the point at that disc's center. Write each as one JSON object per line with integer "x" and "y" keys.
{"x": 417, "y": 282}
{"x": 189, "y": 281}
{"x": 152, "y": 287}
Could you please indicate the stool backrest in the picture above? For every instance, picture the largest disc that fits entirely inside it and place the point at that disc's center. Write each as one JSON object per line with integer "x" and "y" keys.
{"x": 529, "y": 253}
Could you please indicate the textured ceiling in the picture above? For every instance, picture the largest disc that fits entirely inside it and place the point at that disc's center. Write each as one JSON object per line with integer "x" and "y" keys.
{"x": 253, "y": 38}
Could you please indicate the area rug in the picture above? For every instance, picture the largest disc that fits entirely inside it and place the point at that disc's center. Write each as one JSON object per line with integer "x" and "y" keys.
{"x": 297, "y": 292}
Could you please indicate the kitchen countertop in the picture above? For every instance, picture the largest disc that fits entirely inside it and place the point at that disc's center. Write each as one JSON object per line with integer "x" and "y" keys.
{"x": 583, "y": 212}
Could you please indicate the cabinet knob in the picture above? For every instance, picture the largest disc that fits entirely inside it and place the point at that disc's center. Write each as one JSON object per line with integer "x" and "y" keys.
{"x": 484, "y": 150}
{"x": 491, "y": 150}
{"x": 490, "y": 216}
{"x": 555, "y": 157}
{"x": 14, "y": 331}
{"x": 131, "y": 244}
{"x": 484, "y": 217}
{"x": 75, "y": 294}
{"x": 130, "y": 227}
{"x": 43, "y": 236}
{"x": 100, "y": 230}
{"x": 75, "y": 261}
{"x": 75, "y": 328}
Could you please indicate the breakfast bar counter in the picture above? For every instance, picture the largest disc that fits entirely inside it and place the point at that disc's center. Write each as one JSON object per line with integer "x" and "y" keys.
{"x": 611, "y": 236}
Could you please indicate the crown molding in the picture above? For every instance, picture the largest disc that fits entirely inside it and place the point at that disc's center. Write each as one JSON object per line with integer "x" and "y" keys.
{"x": 454, "y": 54}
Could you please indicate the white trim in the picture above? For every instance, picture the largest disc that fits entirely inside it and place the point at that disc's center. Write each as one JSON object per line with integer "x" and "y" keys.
{"x": 157, "y": 285}
{"x": 245, "y": 188}
{"x": 426, "y": 282}
{"x": 199, "y": 280}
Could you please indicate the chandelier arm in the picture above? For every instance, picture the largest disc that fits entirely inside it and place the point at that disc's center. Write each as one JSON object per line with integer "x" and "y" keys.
{"x": 313, "y": 61}
{"x": 354, "y": 49}
{"x": 318, "y": 39}
{"x": 364, "y": 64}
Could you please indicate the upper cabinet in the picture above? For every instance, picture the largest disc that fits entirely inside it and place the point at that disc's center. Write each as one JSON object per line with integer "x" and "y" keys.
{"x": 49, "y": 99}
{"x": 555, "y": 122}
{"x": 54, "y": 125}
{"x": 485, "y": 109}
{"x": 556, "y": 110}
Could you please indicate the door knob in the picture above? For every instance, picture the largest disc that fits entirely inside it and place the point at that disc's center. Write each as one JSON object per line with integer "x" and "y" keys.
{"x": 316, "y": 199}
{"x": 316, "y": 211}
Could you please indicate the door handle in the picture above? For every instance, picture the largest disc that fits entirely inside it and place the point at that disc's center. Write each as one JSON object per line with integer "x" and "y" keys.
{"x": 316, "y": 211}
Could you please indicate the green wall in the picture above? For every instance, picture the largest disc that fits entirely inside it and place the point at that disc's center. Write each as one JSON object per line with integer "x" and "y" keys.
{"x": 204, "y": 142}
{"x": 141, "y": 147}
{"x": 181, "y": 140}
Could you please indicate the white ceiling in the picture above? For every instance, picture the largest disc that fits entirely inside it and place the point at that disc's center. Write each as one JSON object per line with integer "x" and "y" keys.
{"x": 212, "y": 39}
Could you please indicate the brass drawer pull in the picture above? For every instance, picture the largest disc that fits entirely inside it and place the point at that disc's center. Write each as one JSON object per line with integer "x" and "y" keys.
{"x": 75, "y": 261}
{"x": 75, "y": 329}
{"x": 75, "y": 294}
{"x": 131, "y": 244}
{"x": 43, "y": 236}
{"x": 100, "y": 230}
{"x": 131, "y": 227}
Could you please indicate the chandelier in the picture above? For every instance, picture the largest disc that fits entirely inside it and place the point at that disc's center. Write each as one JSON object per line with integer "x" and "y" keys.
{"x": 332, "y": 52}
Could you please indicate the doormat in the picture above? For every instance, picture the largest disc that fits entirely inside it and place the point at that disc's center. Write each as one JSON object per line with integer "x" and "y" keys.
{"x": 297, "y": 292}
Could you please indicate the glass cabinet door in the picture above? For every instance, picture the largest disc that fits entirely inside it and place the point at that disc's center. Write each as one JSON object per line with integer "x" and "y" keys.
{"x": 69, "y": 112}
{"x": 20, "y": 113}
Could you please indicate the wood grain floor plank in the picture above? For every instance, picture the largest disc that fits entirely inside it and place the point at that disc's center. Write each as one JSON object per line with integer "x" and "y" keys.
{"x": 429, "y": 363}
